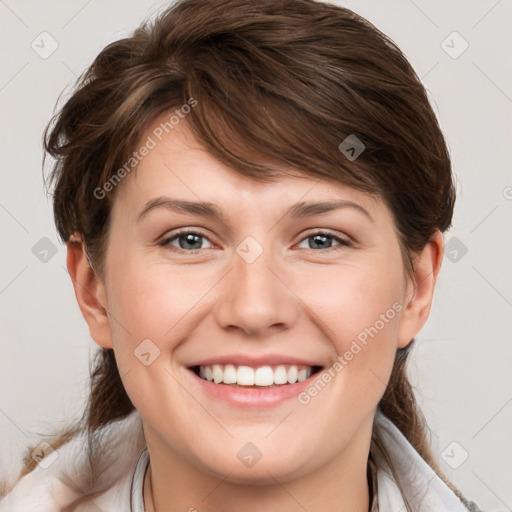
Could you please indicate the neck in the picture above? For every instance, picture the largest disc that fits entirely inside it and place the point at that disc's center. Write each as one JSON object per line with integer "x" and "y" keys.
{"x": 343, "y": 485}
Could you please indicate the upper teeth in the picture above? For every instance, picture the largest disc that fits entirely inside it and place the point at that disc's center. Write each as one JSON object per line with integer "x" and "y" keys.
{"x": 261, "y": 376}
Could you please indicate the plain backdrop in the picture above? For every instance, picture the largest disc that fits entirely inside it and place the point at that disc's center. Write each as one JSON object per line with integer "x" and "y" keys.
{"x": 461, "y": 366}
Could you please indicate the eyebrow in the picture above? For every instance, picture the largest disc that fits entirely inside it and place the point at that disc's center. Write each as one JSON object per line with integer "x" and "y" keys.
{"x": 205, "y": 209}
{"x": 304, "y": 209}
{"x": 176, "y": 205}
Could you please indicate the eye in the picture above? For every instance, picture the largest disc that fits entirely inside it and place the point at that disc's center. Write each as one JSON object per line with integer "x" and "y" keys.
{"x": 191, "y": 241}
{"x": 188, "y": 241}
{"x": 321, "y": 240}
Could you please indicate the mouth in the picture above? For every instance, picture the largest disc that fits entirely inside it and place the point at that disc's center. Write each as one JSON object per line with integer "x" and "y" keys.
{"x": 261, "y": 377}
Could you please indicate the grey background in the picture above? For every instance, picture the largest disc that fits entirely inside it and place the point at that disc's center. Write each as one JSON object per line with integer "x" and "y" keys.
{"x": 461, "y": 364}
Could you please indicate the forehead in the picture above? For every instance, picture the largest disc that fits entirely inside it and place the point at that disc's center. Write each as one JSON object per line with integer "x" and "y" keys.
{"x": 176, "y": 165}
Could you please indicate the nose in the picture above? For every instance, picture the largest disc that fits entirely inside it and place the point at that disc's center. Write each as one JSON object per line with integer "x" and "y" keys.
{"x": 256, "y": 297}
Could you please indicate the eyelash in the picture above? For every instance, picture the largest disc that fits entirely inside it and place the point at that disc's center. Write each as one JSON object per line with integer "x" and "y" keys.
{"x": 166, "y": 243}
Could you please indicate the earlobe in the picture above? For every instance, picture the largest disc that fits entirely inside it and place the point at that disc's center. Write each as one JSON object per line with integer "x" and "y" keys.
{"x": 89, "y": 291}
{"x": 420, "y": 290}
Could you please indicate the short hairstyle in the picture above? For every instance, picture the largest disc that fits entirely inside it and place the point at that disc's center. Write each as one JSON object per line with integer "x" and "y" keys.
{"x": 271, "y": 86}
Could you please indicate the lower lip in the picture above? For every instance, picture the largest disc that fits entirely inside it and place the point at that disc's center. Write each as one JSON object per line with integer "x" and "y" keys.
{"x": 252, "y": 397}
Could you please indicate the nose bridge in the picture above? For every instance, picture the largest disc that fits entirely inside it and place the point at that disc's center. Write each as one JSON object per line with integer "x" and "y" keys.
{"x": 254, "y": 297}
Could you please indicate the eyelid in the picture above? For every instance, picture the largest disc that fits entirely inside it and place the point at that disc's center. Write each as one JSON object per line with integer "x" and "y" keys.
{"x": 184, "y": 231}
{"x": 342, "y": 239}
{"x": 324, "y": 231}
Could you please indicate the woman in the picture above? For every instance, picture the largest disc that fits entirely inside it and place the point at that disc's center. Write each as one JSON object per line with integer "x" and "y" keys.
{"x": 253, "y": 196}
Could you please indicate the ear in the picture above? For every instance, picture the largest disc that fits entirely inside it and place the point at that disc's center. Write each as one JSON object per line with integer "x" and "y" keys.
{"x": 420, "y": 289}
{"x": 89, "y": 291}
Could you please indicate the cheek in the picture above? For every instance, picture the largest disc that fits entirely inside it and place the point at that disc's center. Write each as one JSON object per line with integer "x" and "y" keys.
{"x": 359, "y": 310}
{"x": 352, "y": 299}
{"x": 153, "y": 308}
{"x": 151, "y": 312}
{"x": 151, "y": 299}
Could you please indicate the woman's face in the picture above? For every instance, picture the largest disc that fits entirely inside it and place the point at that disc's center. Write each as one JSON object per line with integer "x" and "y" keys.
{"x": 270, "y": 281}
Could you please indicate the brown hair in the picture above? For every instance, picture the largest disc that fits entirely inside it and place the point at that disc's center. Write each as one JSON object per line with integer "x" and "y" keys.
{"x": 272, "y": 82}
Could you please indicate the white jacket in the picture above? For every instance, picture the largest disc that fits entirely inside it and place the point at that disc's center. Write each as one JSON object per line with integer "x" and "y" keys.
{"x": 125, "y": 458}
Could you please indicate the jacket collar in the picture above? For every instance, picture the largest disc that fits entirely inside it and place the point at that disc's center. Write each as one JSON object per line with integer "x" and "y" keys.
{"x": 422, "y": 487}
{"x": 122, "y": 442}
{"x": 68, "y": 478}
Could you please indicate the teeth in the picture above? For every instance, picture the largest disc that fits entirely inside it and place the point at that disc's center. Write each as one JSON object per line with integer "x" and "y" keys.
{"x": 303, "y": 374}
{"x": 229, "y": 374}
{"x": 218, "y": 374}
{"x": 280, "y": 375}
{"x": 293, "y": 373}
{"x": 245, "y": 376}
{"x": 262, "y": 376}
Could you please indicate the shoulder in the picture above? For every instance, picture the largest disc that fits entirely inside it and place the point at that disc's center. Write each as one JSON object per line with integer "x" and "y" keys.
{"x": 78, "y": 476}
{"x": 404, "y": 476}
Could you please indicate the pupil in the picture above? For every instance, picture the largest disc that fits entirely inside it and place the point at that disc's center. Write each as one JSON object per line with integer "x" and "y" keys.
{"x": 194, "y": 239}
{"x": 189, "y": 239}
{"x": 322, "y": 243}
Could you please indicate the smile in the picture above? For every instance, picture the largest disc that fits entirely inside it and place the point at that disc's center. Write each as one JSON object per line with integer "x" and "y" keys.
{"x": 266, "y": 376}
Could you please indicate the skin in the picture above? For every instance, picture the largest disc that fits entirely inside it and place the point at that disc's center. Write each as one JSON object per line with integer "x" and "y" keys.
{"x": 296, "y": 299}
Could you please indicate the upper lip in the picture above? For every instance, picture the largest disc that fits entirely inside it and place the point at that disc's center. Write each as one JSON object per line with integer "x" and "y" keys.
{"x": 255, "y": 361}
